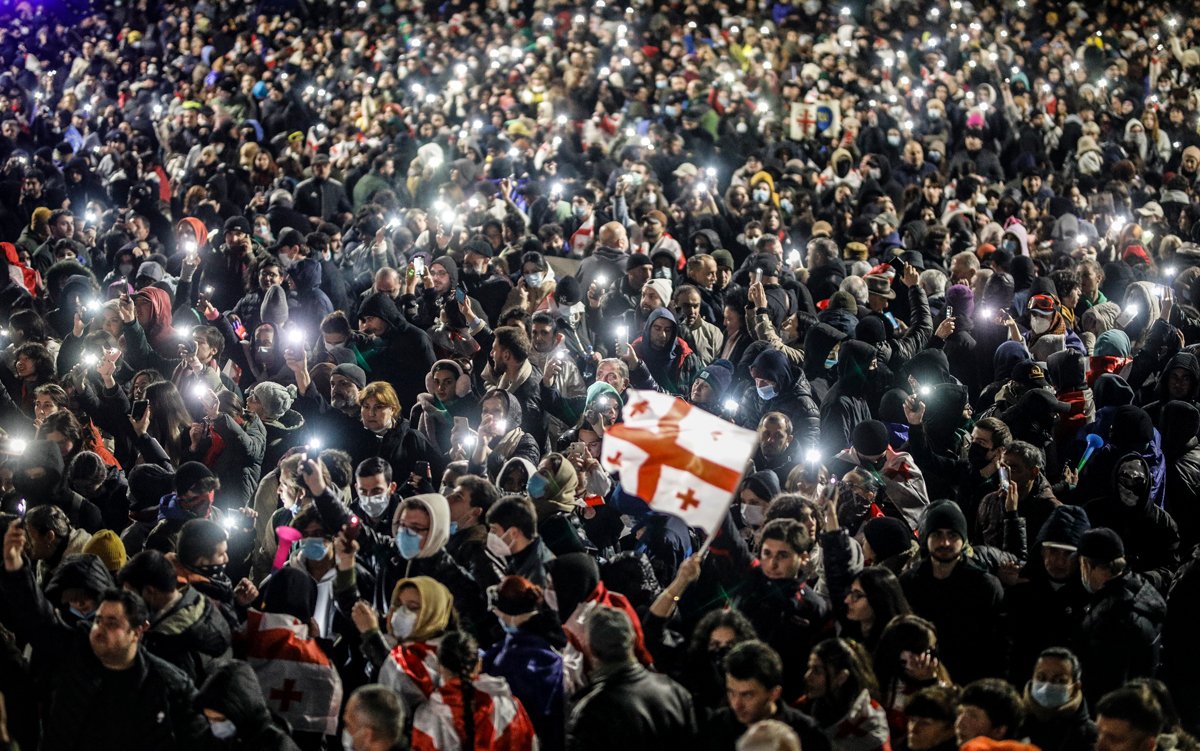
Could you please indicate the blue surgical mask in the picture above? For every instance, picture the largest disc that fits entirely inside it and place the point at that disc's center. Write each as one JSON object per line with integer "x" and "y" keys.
{"x": 223, "y": 730}
{"x": 893, "y": 140}
{"x": 408, "y": 544}
{"x": 313, "y": 548}
{"x": 509, "y": 628}
{"x": 1050, "y": 695}
{"x": 786, "y": 205}
{"x": 761, "y": 196}
{"x": 579, "y": 212}
{"x": 453, "y": 528}
{"x": 82, "y": 615}
{"x": 767, "y": 393}
{"x": 536, "y": 487}
{"x": 533, "y": 280}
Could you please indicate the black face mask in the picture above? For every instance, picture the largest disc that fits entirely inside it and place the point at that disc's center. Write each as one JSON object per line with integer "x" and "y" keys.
{"x": 34, "y": 487}
{"x": 216, "y": 572}
{"x": 842, "y": 168}
{"x": 717, "y": 656}
{"x": 978, "y": 456}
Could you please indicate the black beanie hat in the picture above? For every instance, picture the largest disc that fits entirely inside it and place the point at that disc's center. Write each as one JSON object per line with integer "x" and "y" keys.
{"x": 189, "y": 475}
{"x": 870, "y": 438}
{"x": 1131, "y": 428}
{"x": 888, "y": 537}
{"x": 944, "y": 514}
{"x": 871, "y": 330}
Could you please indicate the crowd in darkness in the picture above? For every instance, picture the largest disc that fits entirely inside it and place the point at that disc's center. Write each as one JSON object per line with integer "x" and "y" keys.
{"x": 314, "y": 315}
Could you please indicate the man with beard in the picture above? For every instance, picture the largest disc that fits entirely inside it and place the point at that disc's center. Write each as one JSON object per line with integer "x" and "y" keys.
{"x": 777, "y": 448}
{"x": 480, "y": 282}
{"x": 705, "y": 338}
{"x": 226, "y": 269}
{"x": 962, "y": 601}
{"x": 670, "y": 360}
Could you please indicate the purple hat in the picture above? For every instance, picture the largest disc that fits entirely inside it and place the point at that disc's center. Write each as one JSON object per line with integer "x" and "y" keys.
{"x": 962, "y": 299}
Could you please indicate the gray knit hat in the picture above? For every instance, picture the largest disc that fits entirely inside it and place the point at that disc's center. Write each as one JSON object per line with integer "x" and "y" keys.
{"x": 274, "y": 398}
{"x": 274, "y": 308}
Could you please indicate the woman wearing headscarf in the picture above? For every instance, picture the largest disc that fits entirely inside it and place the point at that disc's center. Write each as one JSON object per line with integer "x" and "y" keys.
{"x": 498, "y": 439}
{"x": 420, "y": 613}
{"x": 552, "y": 490}
{"x": 1111, "y": 354}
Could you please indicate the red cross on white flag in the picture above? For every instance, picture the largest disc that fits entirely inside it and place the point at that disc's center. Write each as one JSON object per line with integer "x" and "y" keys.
{"x": 678, "y": 458}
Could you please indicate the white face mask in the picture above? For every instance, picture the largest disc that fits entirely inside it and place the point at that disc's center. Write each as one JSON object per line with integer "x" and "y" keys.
{"x": 1039, "y": 324}
{"x": 753, "y": 514}
{"x": 497, "y": 546}
{"x": 403, "y": 621}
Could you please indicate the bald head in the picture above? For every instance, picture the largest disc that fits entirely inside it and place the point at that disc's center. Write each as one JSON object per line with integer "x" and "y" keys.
{"x": 612, "y": 235}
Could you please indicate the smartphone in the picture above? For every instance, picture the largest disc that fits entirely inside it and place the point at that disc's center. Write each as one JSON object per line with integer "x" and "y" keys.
{"x": 578, "y": 447}
{"x": 187, "y": 348}
{"x": 460, "y": 423}
{"x": 352, "y": 528}
{"x": 139, "y": 409}
{"x": 422, "y": 469}
{"x": 891, "y": 319}
{"x": 459, "y": 295}
{"x": 1003, "y": 473}
{"x": 758, "y": 276}
{"x": 949, "y": 311}
{"x": 239, "y": 328}
{"x": 419, "y": 266}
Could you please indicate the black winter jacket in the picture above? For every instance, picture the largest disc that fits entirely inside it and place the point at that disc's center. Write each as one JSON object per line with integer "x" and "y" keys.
{"x": 632, "y": 709}
{"x": 1120, "y": 636}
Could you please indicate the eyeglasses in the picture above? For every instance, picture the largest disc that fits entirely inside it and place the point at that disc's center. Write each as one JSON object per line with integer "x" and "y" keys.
{"x": 414, "y": 530}
{"x": 855, "y": 595}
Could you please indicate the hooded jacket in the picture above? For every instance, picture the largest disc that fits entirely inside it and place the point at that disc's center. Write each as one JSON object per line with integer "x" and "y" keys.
{"x": 402, "y": 355}
{"x": 793, "y": 397}
{"x": 846, "y": 403}
{"x": 233, "y": 689}
{"x": 159, "y": 331}
{"x": 673, "y": 367}
{"x": 53, "y": 489}
{"x": 1179, "y": 424}
{"x": 1185, "y": 361}
{"x": 1150, "y": 535}
{"x": 83, "y": 703}
{"x": 190, "y": 634}
{"x": 308, "y": 305}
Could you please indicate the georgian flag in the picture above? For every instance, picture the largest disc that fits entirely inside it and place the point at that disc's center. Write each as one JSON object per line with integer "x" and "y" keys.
{"x": 678, "y": 458}
{"x": 298, "y": 680}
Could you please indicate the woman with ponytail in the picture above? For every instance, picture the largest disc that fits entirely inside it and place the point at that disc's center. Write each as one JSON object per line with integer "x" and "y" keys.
{"x": 470, "y": 711}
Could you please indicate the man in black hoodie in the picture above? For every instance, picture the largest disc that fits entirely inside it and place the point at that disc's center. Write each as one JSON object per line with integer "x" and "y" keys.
{"x": 778, "y": 389}
{"x": 39, "y": 479}
{"x": 670, "y": 359}
{"x": 401, "y": 353}
{"x": 232, "y": 698}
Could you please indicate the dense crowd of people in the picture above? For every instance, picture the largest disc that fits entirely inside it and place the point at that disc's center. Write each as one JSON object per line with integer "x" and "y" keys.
{"x": 317, "y": 315}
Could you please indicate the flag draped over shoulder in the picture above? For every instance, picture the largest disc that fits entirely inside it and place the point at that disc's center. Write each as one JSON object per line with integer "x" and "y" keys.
{"x": 678, "y": 458}
{"x": 298, "y": 680}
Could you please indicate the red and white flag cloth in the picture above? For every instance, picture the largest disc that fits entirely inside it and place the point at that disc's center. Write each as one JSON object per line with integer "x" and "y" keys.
{"x": 678, "y": 458}
{"x": 298, "y": 680}
{"x": 501, "y": 723}
{"x": 412, "y": 671}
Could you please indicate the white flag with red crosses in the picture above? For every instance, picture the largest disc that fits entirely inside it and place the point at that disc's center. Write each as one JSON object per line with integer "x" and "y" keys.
{"x": 678, "y": 458}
